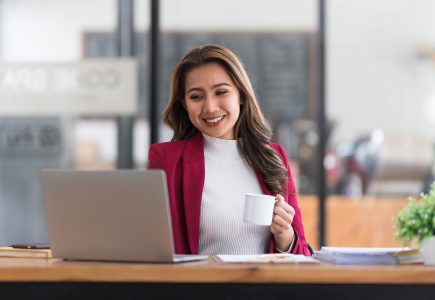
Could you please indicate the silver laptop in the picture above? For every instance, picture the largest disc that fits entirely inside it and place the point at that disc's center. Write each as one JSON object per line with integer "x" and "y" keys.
{"x": 109, "y": 215}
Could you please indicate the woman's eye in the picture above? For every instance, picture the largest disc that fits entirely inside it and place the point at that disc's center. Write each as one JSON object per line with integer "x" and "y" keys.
{"x": 195, "y": 97}
{"x": 221, "y": 92}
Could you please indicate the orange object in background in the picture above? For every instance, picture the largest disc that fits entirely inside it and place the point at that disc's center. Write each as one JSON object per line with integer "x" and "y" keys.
{"x": 353, "y": 222}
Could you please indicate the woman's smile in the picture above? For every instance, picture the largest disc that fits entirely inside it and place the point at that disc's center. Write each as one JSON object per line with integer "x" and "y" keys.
{"x": 213, "y": 122}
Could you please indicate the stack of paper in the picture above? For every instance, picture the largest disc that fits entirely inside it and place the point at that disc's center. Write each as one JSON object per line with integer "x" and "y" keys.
{"x": 355, "y": 256}
{"x": 268, "y": 258}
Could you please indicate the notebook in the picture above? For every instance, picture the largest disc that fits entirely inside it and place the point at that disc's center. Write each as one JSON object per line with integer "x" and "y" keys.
{"x": 120, "y": 215}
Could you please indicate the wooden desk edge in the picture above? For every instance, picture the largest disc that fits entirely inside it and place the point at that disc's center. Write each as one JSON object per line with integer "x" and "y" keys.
{"x": 51, "y": 270}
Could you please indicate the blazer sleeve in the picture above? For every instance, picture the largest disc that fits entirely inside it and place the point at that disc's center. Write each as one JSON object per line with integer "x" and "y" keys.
{"x": 300, "y": 245}
{"x": 155, "y": 157}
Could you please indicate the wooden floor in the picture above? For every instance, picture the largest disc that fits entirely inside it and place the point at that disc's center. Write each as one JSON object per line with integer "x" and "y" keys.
{"x": 353, "y": 222}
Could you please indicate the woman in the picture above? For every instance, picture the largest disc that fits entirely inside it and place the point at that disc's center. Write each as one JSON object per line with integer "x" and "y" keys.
{"x": 219, "y": 152}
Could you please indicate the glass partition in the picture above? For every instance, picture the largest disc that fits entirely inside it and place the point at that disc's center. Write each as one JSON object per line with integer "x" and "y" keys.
{"x": 381, "y": 97}
{"x": 379, "y": 82}
{"x": 41, "y": 55}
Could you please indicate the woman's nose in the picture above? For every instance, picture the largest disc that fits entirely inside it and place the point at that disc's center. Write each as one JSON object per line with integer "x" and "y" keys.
{"x": 210, "y": 105}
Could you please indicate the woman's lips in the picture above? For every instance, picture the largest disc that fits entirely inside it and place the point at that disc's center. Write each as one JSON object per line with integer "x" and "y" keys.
{"x": 213, "y": 122}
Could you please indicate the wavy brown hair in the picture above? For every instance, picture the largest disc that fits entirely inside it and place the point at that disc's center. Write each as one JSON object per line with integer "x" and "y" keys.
{"x": 252, "y": 131}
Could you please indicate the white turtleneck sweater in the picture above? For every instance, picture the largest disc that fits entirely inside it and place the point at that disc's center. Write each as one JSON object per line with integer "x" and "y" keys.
{"x": 228, "y": 178}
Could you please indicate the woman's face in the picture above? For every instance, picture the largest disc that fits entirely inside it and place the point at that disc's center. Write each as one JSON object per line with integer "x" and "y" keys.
{"x": 212, "y": 101}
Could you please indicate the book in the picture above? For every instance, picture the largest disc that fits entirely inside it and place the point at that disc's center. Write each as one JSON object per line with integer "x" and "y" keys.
{"x": 268, "y": 258}
{"x": 359, "y": 255}
{"x": 411, "y": 256}
{"x": 24, "y": 253}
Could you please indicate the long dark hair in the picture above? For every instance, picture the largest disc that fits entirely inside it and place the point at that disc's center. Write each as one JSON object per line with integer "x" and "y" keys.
{"x": 252, "y": 131}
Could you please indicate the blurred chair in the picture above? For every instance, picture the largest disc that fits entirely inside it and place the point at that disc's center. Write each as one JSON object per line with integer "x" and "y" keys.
{"x": 403, "y": 164}
{"x": 387, "y": 163}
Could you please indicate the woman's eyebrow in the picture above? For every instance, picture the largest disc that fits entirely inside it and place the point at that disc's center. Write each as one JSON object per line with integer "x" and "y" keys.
{"x": 220, "y": 84}
{"x": 194, "y": 89}
{"x": 212, "y": 87}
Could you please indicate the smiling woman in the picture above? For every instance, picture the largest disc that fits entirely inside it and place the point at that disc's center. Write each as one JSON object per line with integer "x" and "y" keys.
{"x": 212, "y": 101}
{"x": 221, "y": 150}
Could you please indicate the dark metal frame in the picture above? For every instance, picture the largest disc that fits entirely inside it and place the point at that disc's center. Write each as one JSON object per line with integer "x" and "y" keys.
{"x": 321, "y": 124}
{"x": 154, "y": 75}
{"x": 125, "y": 46}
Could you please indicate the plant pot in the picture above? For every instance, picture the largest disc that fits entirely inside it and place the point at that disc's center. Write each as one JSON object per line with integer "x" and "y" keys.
{"x": 428, "y": 251}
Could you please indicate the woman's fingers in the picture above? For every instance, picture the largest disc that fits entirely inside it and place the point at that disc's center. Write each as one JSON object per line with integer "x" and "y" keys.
{"x": 286, "y": 216}
{"x": 277, "y": 229}
{"x": 284, "y": 209}
{"x": 284, "y": 205}
{"x": 283, "y": 216}
{"x": 280, "y": 221}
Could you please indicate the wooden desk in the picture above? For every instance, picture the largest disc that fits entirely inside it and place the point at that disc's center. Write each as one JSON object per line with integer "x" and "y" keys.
{"x": 56, "y": 279}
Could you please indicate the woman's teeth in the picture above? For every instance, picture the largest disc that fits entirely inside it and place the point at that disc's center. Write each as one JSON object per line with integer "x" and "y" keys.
{"x": 214, "y": 120}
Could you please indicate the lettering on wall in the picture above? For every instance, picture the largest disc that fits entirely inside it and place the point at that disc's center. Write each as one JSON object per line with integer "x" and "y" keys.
{"x": 94, "y": 86}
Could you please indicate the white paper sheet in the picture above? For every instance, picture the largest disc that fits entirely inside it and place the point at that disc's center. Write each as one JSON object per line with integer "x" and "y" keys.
{"x": 267, "y": 258}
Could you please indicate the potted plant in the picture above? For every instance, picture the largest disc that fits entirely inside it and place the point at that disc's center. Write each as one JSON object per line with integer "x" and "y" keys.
{"x": 415, "y": 223}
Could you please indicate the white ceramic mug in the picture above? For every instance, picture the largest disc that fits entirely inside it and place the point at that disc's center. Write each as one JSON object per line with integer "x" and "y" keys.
{"x": 258, "y": 209}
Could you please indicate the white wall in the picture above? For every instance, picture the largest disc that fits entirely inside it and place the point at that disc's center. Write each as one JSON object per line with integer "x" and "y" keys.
{"x": 374, "y": 77}
{"x": 239, "y": 14}
{"x": 51, "y": 30}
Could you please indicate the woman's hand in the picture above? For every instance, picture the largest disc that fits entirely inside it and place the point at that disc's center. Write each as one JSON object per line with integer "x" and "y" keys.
{"x": 282, "y": 224}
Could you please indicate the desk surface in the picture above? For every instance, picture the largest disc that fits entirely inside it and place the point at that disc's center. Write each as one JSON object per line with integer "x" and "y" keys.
{"x": 211, "y": 271}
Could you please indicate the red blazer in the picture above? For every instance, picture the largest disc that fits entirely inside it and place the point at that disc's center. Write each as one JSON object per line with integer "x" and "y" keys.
{"x": 183, "y": 162}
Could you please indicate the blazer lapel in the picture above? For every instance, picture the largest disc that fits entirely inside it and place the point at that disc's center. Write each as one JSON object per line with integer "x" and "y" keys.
{"x": 193, "y": 185}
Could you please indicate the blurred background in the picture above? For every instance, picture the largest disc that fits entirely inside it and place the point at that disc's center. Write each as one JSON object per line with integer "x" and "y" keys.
{"x": 67, "y": 100}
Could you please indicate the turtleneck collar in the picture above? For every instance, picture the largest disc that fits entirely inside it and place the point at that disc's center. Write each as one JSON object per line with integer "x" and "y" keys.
{"x": 221, "y": 149}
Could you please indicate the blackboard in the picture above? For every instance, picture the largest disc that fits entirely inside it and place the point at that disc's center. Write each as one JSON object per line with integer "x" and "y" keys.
{"x": 281, "y": 66}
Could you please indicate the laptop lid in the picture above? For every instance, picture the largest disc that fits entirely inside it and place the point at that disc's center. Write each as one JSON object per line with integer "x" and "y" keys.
{"x": 108, "y": 215}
